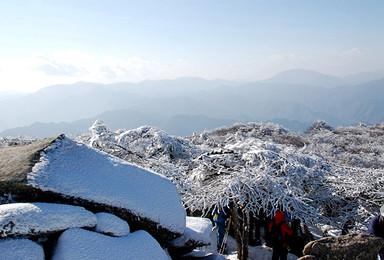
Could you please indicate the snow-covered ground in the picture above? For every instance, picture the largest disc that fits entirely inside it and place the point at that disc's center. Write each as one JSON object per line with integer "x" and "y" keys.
{"x": 255, "y": 252}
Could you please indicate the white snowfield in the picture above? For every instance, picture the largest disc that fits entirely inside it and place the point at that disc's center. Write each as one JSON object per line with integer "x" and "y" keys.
{"x": 76, "y": 170}
{"x": 198, "y": 230}
{"x": 35, "y": 218}
{"x": 81, "y": 244}
{"x": 21, "y": 249}
{"x": 111, "y": 225}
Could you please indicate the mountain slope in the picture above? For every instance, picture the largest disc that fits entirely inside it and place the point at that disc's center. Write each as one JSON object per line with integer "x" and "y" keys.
{"x": 362, "y": 77}
{"x": 360, "y": 103}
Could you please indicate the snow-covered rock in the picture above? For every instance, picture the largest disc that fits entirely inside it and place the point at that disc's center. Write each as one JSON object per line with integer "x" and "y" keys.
{"x": 197, "y": 234}
{"x": 82, "y": 244}
{"x": 78, "y": 171}
{"x": 20, "y": 249}
{"x": 39, "y": 218}
{"x": 109, "y": 224}
{"x": 198, "y": 230}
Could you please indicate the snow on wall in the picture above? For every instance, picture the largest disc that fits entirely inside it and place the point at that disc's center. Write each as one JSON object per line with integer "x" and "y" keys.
{"x": 76, "y": 170}
{"x": 82, "y": 244}
{"x": 35, "y": 218}
{"x": 21, "y": 249}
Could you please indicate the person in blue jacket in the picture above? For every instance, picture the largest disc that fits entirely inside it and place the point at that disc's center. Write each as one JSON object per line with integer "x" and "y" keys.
{"x": 220, "y": 216}
{"x": 376, "y": 228}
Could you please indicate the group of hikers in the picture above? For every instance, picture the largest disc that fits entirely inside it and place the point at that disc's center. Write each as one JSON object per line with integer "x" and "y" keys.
{"x": 279, "y": 235}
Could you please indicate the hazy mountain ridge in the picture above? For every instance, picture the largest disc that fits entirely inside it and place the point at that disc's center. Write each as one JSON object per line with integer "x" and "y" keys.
{"x": 314, "y": 78}
{"x": 182, "y": 125}
{"x": 306, "y": 77}
{"x": 205, "y": 104}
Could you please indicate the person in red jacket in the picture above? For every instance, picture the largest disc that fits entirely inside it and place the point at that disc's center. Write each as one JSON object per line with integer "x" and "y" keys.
{"x": 280, "y": 232}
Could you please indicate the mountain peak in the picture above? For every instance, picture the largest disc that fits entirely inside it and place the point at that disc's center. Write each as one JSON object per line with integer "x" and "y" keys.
{"x": 306, "y": 77}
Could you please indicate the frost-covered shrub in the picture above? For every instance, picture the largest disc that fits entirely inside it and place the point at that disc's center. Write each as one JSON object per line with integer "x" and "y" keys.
{"x": 101, "y": 136}
{"x": 328, "y": 174}
{"x": 20, "y": 140}
{"x": 319, "y": 125}
{"x": 151, "y": 141}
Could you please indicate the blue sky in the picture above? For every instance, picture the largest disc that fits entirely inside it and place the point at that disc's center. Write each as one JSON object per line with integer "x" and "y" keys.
{"x": 65, "y": 41}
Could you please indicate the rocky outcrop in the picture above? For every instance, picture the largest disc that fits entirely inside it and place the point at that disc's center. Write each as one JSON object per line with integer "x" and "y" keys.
{"x": 15, "y": 163}
{"x": 353, "y": 246}
{"x": 59, "y": 170}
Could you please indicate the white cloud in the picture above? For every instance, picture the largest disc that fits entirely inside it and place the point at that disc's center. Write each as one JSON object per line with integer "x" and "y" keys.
{"x": 131, "y": 69}
{"x": 61, "y": 69}
{"x": 66, "y": 67}
{"x": 347, "y": 53}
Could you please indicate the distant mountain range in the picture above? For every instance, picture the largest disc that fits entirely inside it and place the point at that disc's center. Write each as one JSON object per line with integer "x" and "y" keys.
{"x": 314, "y": 78}
{"x": 294, "y": 99}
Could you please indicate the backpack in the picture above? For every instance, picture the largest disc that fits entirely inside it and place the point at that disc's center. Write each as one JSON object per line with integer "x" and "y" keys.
{"x": 215, "y": 217}
{"x": 220, "y": 215}
{"x": 276, "y": 233}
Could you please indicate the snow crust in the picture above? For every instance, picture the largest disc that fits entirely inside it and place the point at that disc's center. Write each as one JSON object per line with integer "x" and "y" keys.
{"x": 20, "y": 249}
{"x": 82, "y": 244}
{"x": 35, "y": 218}
{"x": 198, "y": 229}
{"x": 77, "y": 170}
{"x": 111, "y": 225}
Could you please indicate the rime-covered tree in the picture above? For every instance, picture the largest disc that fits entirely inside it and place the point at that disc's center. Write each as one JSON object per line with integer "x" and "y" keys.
{"x": 327, "y": 175}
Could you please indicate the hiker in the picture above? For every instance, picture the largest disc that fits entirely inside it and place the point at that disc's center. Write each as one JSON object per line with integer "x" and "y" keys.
{"x": 297, "y": 241}
{"x": 220, "y": 218}
{"x": 346, "y": 227}
{"x": 254, "y": 230}
{"x": 308, "y": 235}
{"x": 376, "y": 228}
{"x": 280, "y": 232}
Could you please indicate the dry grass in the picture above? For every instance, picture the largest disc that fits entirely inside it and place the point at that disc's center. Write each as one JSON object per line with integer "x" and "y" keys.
{"x": 17, "y": 161}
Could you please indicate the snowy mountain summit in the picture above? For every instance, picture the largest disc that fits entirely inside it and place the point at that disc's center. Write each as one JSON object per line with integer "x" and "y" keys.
{"x": 326, "y": 178}
{"x": 60, "y": 170}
